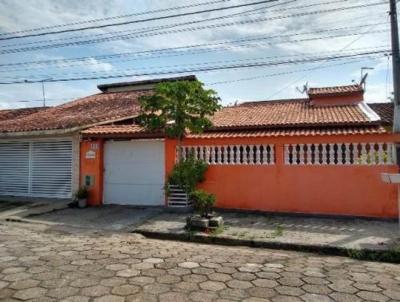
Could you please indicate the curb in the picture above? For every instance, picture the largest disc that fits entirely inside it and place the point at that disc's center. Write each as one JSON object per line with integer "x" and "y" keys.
{"x": 389, "y": 256}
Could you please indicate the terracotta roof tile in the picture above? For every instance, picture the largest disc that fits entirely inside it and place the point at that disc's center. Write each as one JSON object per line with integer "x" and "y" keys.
{"x": 385, "y": 111}
{"x": 83, "y": 112}
{"x": 137, "y": 131}
{"x": 291, "y": 132}
{"x": 287, "y": 113}
{"x": 10, "y": 114}
{"x": 115, "y": 130}
{"x": 336, "y": 90}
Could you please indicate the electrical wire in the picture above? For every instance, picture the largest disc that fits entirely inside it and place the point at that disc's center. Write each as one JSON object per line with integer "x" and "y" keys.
{"x": 199, "y": 69}
{"x": 140, "y": 20}
{"x": 212, "y": 26}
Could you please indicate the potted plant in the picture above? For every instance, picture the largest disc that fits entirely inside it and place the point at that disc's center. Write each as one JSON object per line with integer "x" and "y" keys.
{"x": 81, "y": 197}
{"x": 203, "y": 202}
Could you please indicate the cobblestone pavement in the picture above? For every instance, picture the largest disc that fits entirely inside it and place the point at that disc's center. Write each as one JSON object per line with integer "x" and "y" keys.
{"x": 42, "y": 264}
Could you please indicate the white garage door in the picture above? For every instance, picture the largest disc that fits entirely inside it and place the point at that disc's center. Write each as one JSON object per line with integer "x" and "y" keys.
{"x": 134, "y": 172}
{"x": 36, "y": 168}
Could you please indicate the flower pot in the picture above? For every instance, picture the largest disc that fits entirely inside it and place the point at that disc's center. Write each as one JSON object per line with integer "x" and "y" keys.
{"x": 82, "y": 203}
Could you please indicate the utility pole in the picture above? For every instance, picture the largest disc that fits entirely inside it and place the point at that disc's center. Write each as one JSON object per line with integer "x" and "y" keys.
{"x": 396, "y": 72}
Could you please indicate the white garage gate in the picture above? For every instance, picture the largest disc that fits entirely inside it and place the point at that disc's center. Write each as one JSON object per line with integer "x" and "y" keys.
{"x": 134, "y": 172}
{"x": 36, "y": 168}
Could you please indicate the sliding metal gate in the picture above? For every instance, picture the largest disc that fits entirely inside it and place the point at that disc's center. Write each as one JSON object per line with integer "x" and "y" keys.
{"x": 36, "y": 168}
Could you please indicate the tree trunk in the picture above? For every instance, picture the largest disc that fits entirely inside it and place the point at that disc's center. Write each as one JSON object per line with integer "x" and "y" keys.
{"x": 179, "y": 145}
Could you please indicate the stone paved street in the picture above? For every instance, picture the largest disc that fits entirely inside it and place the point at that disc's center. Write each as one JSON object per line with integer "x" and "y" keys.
{"x": 40, "y": 263}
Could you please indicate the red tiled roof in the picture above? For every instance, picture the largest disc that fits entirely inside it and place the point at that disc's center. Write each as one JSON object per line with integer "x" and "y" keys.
{"x": 137, "y": 131}
{"x": 287, "y": 113}
{"x": 385, "y": 111}
{"x": 83, "y": 112}
{"x": 335, "y": 90}
{"x": 291, "y": 132}
{"x": 10, "y": 114}
{"x": 131, "y": 130}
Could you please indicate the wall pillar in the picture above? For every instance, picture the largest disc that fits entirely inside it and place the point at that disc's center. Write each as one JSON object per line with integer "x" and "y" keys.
{"x": 92, "y": 169}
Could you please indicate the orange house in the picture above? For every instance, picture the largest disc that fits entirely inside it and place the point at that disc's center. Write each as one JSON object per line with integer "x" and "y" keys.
{"x": 323, "y": 154}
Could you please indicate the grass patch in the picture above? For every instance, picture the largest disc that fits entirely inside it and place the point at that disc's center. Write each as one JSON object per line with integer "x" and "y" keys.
{"x": 391, "y": 255}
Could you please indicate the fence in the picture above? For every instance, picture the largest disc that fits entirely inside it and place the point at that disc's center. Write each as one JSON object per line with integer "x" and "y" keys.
{"x": 232, "y": 154}
{"x": 339, "y": 154}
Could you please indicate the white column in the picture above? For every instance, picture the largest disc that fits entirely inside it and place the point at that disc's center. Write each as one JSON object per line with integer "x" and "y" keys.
{"x": 347, "y": 154}
{"x": 332, "y": 154}
{"x": 324, "y": 154}
{"x": 340, "y": 153}
{"x": 287, "y": 155}
{"x": 271, "y": 155}
{"x": 258, "y": 154}
{"x": 301, "y": 154}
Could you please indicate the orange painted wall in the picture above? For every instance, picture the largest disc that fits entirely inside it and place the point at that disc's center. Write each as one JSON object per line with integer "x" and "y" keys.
{"x": 331, "y": 190}
{"x": 92, "y": 156}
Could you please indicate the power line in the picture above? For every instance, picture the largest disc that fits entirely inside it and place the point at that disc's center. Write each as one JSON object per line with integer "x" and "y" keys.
{"x": 282, "y": 73}
{"x": 202, "y": 69}
{"x": 206, "y": 63}
{"x": 212, "y": 26}
{"x": 186, "y": 47}
{"x": 115, "y": 17}
{"x": 149, "y": 29}
{"x": 140, "y": 20}
{"x": 342, "y": 49}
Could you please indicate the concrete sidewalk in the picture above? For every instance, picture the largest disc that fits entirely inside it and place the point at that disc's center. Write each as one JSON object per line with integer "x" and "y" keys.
{"x": 15, "y": 208}
{"x": 334, "y": 235}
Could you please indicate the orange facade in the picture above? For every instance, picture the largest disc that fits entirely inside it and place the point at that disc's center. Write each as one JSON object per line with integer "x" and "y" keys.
{"x": 91, "y": 169}
{"x": 352, "y": 190}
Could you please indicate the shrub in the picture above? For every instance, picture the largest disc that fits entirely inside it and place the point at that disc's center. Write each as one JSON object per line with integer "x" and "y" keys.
{"x": 187, "y": 174}
{"x": 203, "y": 202}
{"x": 82, "y": 193}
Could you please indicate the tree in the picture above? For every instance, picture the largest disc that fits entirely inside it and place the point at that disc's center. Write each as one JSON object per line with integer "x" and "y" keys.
{"x": 176, "y": 107}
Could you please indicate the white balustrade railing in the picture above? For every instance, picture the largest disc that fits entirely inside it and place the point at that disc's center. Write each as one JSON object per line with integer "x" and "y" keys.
{"x": 232, "y": 154}
{"x": 339, "y": 154}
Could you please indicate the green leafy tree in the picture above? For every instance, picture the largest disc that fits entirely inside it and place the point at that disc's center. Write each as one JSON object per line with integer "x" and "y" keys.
{"x": 176, "y": 107}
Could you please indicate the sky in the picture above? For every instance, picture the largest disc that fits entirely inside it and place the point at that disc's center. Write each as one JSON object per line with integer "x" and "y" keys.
{"x": 282, "y": 33}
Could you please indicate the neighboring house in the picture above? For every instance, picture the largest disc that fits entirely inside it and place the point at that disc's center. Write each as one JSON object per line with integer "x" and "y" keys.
{"x": 321, "y": 155}
{"x": 39, "y": 147}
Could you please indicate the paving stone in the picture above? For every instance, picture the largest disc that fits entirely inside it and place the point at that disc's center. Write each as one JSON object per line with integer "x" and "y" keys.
{"x": 128, "y": 273}
{"x": 239, "y": 284}
{"x": 316, "y": 289}
{"x": 110, "y": 298}
{"x": 286, "y": 299}
{"x": 265, "y": 283}
{"x": 212, "y": 285}
{"x": 289, "y": 290}
{"x": 372, "y": 296}
{"x": 155, "y": 270}
{"x": 30, "y": 293}
{"x": 219, "y": 277}
{"x": 393, "y": 294}
{"x": 316, "y": 298}
{"x": 62, "y": 292}
{"x": 95, "y": 291}
{"x": 342, "y": 297}
{"x": 168, "y": 279}
{"x": 173, "y": 297}
{"x": 76, "y": 299}
{"x": 189, "y": 265}
{"x": 125, "y": 290}
{"x": 23, "y": 284}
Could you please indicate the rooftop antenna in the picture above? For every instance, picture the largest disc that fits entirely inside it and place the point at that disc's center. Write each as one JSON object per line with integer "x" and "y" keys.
{"x": 363, "y": 78}
{"x": 304, "y": 90}
{"x": 44, "y": 92}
